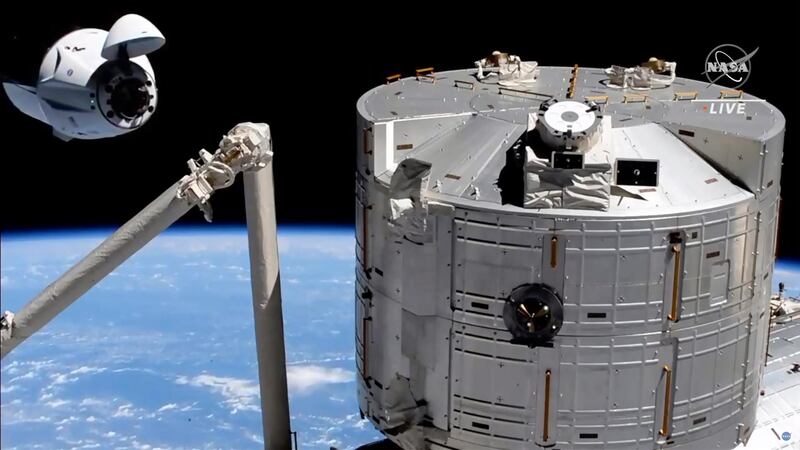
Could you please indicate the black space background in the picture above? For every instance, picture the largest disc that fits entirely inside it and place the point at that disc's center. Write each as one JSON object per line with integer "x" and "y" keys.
{"x": 301, "y": 66}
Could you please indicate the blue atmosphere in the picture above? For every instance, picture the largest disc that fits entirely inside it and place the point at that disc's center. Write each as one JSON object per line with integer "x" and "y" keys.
{"x": 161, "y": 354}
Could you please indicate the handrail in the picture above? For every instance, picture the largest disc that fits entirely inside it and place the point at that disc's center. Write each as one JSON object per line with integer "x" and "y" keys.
{"x": 664, "y": 431}
{"x": 546, "y": 433}
{"x": 554, "y": 252}
{"x": 676, "y": 282}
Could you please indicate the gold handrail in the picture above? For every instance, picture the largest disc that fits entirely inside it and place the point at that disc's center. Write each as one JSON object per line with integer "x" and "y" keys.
{"x": 685, "y": 95}
{"x": 572, "y": 81}
{"x": 554, "y": 252}
{"x": 599, "y": 99}
{"x": 424, "y": 70}
{"x": 676, "y": 281}
{"x": 731, "y": 93}
{"x": 634, "y": 98}
{"x": 664, "y": 431}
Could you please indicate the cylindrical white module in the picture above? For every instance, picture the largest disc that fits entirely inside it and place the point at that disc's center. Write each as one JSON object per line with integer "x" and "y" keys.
{"x": 625, "y": 307}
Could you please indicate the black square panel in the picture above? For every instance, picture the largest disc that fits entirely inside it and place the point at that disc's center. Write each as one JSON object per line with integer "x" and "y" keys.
{"x": 567, "y": 160}
{"x": 637, "y": 172}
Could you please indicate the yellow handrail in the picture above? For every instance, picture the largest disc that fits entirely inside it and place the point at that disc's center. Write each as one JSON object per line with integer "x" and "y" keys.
{"x": 664, "y": 431}
{"x": 676, "y": 282}
{"x": 391, "y": 78}
{"x": 554, "y": 252}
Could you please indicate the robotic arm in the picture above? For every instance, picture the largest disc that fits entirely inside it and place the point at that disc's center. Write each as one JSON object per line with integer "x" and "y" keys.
{"x": 247, "y": 147}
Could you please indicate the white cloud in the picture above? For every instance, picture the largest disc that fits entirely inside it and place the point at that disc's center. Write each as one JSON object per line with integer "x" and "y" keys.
{"x": 304, "y": 379}
{"x": 254, "y": 437}
{"x": 243, "y": 394}
{"x": 135, "y": 369}
{"x": 168, "y": 407}
{"x": 239, "y": 394}
{"x": 189, "y": 407}
{"x": 25, "y": 376}
{"x": 85, "y": 369}
{"x": 71, "y": 376}
{"x": 67, "y": 420}
{"x": 35, "y": 270}
{"x": 139, "y": 446}
{"x": 62, "y": 378}
{"x": 90, "y": 401}
{"x": 125, "y": 410}
{"x": 361, "y": 424}
{"x": 15, "y": 416}
{"x": 336, "y": 281}
{"x": 331, "y": 359}
{"x": 56, "y": 403}
{"x": 36, "y": 365}
{"x": 326, "y": 440}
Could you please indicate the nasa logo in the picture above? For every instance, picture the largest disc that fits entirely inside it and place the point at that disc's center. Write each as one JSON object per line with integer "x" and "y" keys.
{"x": 729, "y": 64}
{"x": 786, "y": 435}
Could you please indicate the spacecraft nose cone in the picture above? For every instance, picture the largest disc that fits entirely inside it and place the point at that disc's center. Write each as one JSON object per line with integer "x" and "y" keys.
{"x": 134, "y": 35}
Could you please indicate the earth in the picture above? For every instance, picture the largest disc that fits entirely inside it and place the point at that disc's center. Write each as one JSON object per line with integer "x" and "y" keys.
{"x": 161, "y": 354}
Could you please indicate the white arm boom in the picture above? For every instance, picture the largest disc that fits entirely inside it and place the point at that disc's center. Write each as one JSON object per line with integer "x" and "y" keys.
{"x": 247, "y": 146}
